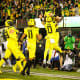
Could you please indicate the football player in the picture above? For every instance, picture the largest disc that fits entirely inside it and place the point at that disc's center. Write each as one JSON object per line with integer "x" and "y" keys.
{"x": 52, "y": 39}
{"x": 12, "y": 45}
{"x": 32, "y": 35}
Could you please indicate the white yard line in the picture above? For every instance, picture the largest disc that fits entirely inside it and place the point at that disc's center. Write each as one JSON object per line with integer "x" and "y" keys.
{"x": 48, "y": 75}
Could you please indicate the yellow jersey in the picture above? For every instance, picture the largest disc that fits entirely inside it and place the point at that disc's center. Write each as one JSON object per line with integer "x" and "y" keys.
{"x": 50, "y": 28}
{"x": 12, "y": 33}
{"x": 31, "y": 33}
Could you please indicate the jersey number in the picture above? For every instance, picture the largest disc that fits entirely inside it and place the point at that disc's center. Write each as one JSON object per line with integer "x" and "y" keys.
{"x": 30, "y": 34}
{"x": 49, "y": 29}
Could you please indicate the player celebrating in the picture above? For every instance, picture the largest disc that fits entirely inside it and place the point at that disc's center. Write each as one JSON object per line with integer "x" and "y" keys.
{"x": 32, "y": 34}
{"x": 52, "y": 39}
{"x": 12, "y": 45}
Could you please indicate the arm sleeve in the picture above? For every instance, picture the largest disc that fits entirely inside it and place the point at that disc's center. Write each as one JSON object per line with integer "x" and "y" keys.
{"x": 65, "y": 38}
{"x": 73, "y": 39}
{"x": 25, "y": 31}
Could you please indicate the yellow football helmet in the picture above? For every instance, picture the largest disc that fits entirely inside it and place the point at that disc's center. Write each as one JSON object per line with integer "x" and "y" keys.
{"x": 48, "y": 19}
{"x": 8, "y": 23}
{"x": 31, "y": 22}
{"x": 47, "y": 14}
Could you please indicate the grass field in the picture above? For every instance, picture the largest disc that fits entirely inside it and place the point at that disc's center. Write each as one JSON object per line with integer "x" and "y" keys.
{"x": 7, "y": 75}
{"x": 31, "y": 77}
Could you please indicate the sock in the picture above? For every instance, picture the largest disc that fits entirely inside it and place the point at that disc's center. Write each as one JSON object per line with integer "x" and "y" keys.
{"x": 1, "y": 62}
{"x": 29, "y": 65}
{"x": 20, "y": 65}
{"x": 25, "y": 67}
{"x": 14, "y": 67}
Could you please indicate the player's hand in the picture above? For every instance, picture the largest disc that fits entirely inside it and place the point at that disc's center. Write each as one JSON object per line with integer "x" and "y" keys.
{"x": 39, "y": 37}
{"x": 20, "y": 43}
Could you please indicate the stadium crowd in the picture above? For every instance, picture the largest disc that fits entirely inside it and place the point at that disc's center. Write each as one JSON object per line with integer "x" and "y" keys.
{"x": 20, "y": 9}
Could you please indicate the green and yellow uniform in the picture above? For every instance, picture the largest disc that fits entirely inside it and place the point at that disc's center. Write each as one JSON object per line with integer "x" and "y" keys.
{"x": 12, "y": 46}
{"x": 31, "y": 33}
{"x": 52, "y": 39}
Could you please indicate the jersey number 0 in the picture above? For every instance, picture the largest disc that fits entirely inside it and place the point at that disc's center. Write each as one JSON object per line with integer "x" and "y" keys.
{"x": 49, "y": 29}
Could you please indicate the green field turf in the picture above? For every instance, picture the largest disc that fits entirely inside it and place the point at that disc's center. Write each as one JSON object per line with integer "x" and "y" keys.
{"x": 31, "y": 77}
{"x": 12, "y": 75}
{"x": 42, "y": 70}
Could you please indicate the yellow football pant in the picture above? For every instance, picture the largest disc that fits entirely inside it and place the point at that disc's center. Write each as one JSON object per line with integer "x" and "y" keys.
{"x": 50, "y": 46}
{"x": 32, "y": 49}
{"x": 13, "y": 48}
